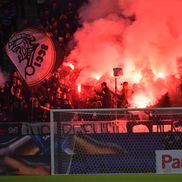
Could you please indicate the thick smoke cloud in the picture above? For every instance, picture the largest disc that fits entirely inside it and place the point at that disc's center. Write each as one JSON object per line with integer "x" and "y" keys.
{"x": 143, "y": 37}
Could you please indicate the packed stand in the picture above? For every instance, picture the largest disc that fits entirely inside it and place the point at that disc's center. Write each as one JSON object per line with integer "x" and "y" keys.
{"x": 17, "y": 102}
{"x": 60, "y": 19}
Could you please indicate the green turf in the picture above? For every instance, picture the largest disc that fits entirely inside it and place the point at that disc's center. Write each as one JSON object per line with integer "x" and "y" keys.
{"x": 96, "y": 178}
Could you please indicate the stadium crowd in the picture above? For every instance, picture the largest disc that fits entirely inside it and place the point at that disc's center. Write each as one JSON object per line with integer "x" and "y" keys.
{"x": 17, "y": 101}
{"x": 60, "y": 19}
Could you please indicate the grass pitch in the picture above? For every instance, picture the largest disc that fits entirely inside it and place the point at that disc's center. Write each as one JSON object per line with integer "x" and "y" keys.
{"x": 96, "y": 178}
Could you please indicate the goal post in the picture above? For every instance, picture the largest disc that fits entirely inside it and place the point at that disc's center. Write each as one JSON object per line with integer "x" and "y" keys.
{"x": 97, "y": 141}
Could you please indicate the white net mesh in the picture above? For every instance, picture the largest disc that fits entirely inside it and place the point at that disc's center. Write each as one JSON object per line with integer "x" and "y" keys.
{"x": 92, "y": 141}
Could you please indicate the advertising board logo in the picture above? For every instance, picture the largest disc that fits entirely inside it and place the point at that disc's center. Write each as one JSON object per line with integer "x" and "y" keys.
{"x": 169, "y": 161}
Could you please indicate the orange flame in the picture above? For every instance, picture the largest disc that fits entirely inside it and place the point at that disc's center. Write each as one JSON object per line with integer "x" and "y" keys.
{"x": 79, "y": 88}
{"x": 141, "y": 101}
{"x": 71, "y": 66}
{"x": 159, "y": 74}
{"x": 97, "y": 77}
{"x": 137, "y": 77}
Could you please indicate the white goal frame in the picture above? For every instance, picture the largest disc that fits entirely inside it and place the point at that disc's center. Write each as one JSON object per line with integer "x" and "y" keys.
{"x": 52, "y": 125}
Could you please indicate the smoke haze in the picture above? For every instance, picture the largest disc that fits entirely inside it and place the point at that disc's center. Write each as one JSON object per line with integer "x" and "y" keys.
{"x": 143, "y": 37}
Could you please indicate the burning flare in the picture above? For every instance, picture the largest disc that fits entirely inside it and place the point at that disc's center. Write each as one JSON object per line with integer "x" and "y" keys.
{"x": 79, "y": 88}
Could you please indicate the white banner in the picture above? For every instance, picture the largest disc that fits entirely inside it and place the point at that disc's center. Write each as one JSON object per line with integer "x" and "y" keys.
{"x": 168, "y": 161}
{"x": 33, "y": 53}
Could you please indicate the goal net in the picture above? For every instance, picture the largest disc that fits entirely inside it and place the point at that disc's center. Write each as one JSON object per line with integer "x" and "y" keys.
{"x": 97, "y": 141}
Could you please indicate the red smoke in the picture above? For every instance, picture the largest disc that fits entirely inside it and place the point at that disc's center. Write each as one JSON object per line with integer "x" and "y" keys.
{"x": 148, "y": 49}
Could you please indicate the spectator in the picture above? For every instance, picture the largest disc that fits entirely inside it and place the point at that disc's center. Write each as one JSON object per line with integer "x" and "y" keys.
{"x": 6, "y": 22}
{"x": 105, "y": 93}
{"x": 125, "y": 95}
{"x": 20, "y": 6}
{"x": 17, "y": 105}
{"x": 40, "y": 7}
{"x": 36, "y": 111}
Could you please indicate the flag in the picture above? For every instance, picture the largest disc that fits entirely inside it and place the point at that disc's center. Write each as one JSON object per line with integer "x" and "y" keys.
{"x": 34, "y": 53}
